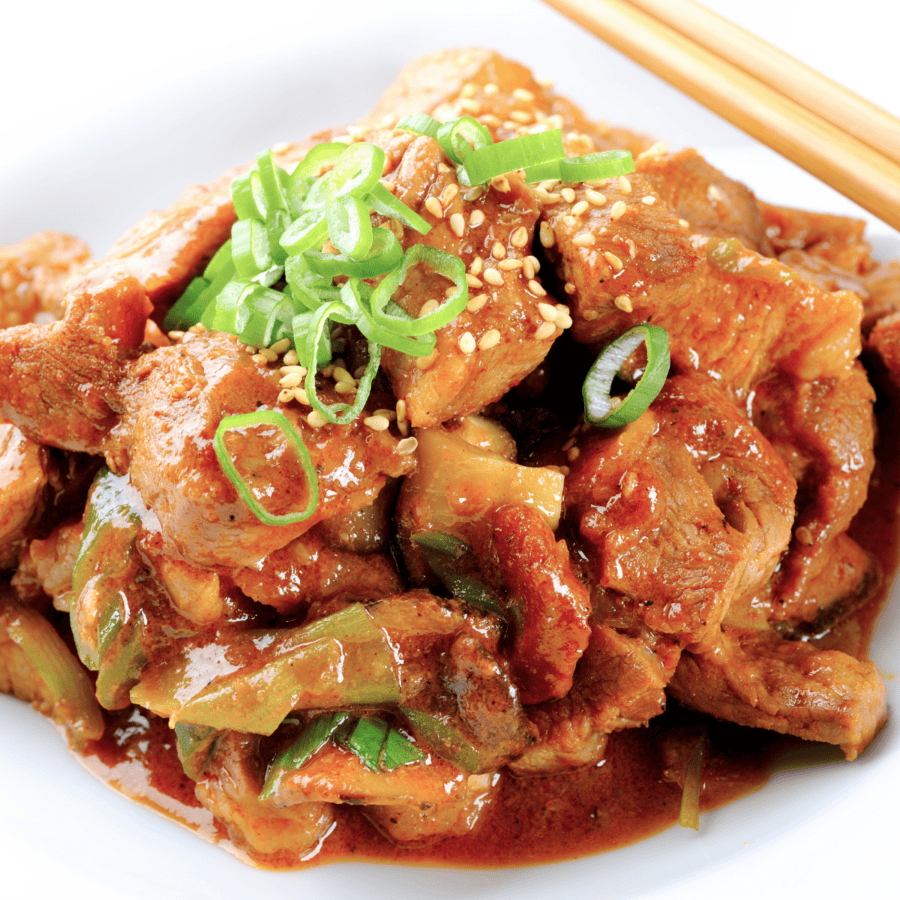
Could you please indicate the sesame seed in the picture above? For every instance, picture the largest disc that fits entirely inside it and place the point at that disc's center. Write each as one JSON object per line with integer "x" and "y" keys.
{"x": 595, "y": 198}
{"x": 388, "y": 414}
{"x": 568, "y": 194}
{"x": 407, "y": 446}
{"x": 569, "y": 221}
{"x": 176, "y": 335}
{"x": 648, "y": 200}
{"x": 585, "y": 239}
{"x": 632, "y": 247}
{"x": 269, "y": 355}
{"x": 458, "y": 224}
{"x": 619, "y": 208}
{"x": 259, "y": 359}
{"x": 613, "y": 260}
{"x": 429, "y": 307}
{"x": 443, "y": 168}
{"x": 476, "y": 218}
{"x": 377, "y": 423}
{"x": 547, "y": 311}
{"x": 524, "y": 95}
{"x": 573, "y": 454}
{"x": 624, "y": 184}
{"x": 522, "y": 116}
{"x": 291, "y": 380}
{"x": 474, "y": 282}
{"x": 288, "y": 369}
{"x": 291, "y": 358}
{"x": 448, "y": 194}
{"x": 316, "y": 419}
{"x": 301, "y": 397}
{"x": 684, "y": 223}
{"x": 500, "y": 183}
{"x": 545, "y": 196}
{"x": 401, "y": 410}
{"x": 498, "y": 251}
{"x": 508, "y": 265}
{"x": 489, "y": 339}
{"x": 580, "y": 208}
{"x": 804, "y": 535}
{"x": 345, "y": 387}
{"x": 623, "y": 302}
{"x": 536, "y": 288}
{"x": 280, "y": 346}
{"x": 490, "y": 120}
{"x": 564, "y": 320}
{"x": 528, "y": 268}
{"x": 519, "y": 237}
{"x": 493, "y": 277}
{"x": 490, "y": 89}
{"x": 467, "y": 342}
{"x": 477, "y": 302}
{"x": 285, "y": 395}
{"x": 534, "y": 262}
{"x": 548, "y": 239}
{"x": 339, "y": 373}
{"x": 545, "y": 330}
{"x": 569, "y": 288}
{"x": 477, "y": 266}
{"x": 472, "y": 107}
{"x": 433, "y": 205}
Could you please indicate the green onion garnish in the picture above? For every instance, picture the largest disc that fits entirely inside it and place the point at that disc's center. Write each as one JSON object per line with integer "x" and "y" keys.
{"x": 598, "y": 404}
{"x": 689, "y": 815}
{"x": 276, "y": 419}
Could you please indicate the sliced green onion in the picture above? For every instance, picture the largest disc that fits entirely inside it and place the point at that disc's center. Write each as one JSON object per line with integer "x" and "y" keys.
{"x": 366, "y": 740}
{"x": 517, "y": 153}
{"x": 445, "y": 739}
{"x": 277, "y": 420}
{"x": 419, "y": 123}
{"x": 444, "y": 264}
{"x": 248, "y": 196}
{"x": 357, "y": 170}
{"x": 274, "y": 181}
{"x": 598, "y": 404}
{"x": 188, "y": 308}
{"x": 399, "y": 750}
{"x": 349, "y": 226}
{"x": 596, "y": 166}
{"x": 461, "y": 136}
{"x": 319, "y": 157}
{"x": 311, "y": 740}
{"x": 308, "y": 232}
{"x": 689, "y": 815}
{"x": 195, "y": 745}
{"x": 385, "y": 254}
{"x": 220, "y": 262}
{"x": 385, "y": 203}
{"x": 446, "y": 544}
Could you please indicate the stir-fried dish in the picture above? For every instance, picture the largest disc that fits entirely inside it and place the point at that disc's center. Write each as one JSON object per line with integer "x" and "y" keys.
{"x": 445, "y": 478}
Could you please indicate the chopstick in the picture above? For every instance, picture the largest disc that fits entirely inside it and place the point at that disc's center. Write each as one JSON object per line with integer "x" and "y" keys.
{"x": 802, "y": 131}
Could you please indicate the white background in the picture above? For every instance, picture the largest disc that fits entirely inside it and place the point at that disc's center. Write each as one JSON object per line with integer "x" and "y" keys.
{"x": 110, "y": 109}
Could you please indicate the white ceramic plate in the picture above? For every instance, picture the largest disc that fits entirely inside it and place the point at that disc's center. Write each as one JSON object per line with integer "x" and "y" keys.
{"x": 113, "y": 113}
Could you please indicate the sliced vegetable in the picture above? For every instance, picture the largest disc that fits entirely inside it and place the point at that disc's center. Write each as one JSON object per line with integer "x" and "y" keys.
{"x": 366, "y": 739}
{"x": 195, "y": 745}
{"x": 598, "y": 404}
{"x": 399, "y": 750}
{"x": 689, "y": 816}
{"x": 517, "y": 153}
{"x": 446, "y": 740}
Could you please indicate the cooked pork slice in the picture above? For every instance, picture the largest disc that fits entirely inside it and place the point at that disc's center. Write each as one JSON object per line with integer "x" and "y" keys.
{"x": 882, "y": 293}
{"x": 46, "y": 566}
{"x": 791, "y": 687}
{"x": 884, "y": 343}
{"x": 23, "y": 478}
{"x": 619, "y": 683}
{"x": 174, "y": 400}
{"x": 824, "y": 431}
{"x": 502, "y": 335}
{"x": 681, "y": 511}
{"x": 33, "y": 274}
{"x": 713, "y": 203}
{"x": 230, "y": 790}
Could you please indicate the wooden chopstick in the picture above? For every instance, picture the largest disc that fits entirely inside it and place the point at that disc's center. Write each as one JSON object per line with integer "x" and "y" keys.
{"x": 831, "y": 153}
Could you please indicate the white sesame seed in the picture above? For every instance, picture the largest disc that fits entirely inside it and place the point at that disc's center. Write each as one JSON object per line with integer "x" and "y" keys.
{"x": 564, "y": 321}
{"x": 536, "y": 288}
{"x": 477, "y": 266}
{"x": 546, "y": 197}
{"x": 458, "y": 224}
{"x": 522, "y": 116}
{"x": 316, "y": 419}
{"x": 407, "y": 446}
{"x": 476, "y": 218}
{"x": 490, "y": 89}
{"x": 580, "y": 208}
{"x": 388, "y": 414}
{"x": 477, "y": 302}
{"x": 585, "y": 239}
{"x": 443, "y": 168}
{"x": 448, "y": 194}
{"x": 433, "y": 205}
{"x": 259, "y": 359}
{"x": 291, "y": 380}
{"x": 573, "y": 454}
{"x": 474, "y": 282}
{"x": 684, "y": 223}
{"x": 291, "y": 358}
{"x": 489, "y": 339}
{"x": 623, "y": 302}
{"x": 269, "y": 355}
{"x": 493, "y": 277}
{"x": 345, "y": 387}
{"x": 472, "y": 107}
{"x": 500, "y": 183}
{"x": 632, "y": 247}
{"x": 547, "y": 311}
{"x": 401, "y": 410}
{"x": 498, "y": 251}
{"x": 280, "y": 346}
{"x": 619, "y": 208}
{"x": 528, "y": 268}
{"x": 548, "y": 239}
{"x": 524, "y": 95}
{"x": 545, "y": 330}
{"x": 301, "y": 397}
{"x": 648, "y": 200}
{"x": 613, "y": 260}
{"x": 287, "y": 369}
{"x": 568, "y": 194}
{"x": 490, "y": 120}
{"x": 339, "y": 373}
{"x": 377, "y": 423}
{"x": 569, "y": 288}
{"x": 624, "y": 184}
{"x": 467, "y": 342}
{"x": 429, "y": 307}
{"x": 285, "y": 395}
{"x": 519, "y": 237}
{"x": 595, "y": 198}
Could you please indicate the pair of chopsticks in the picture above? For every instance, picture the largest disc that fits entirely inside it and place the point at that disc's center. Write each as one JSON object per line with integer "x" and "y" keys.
{"x": 842, "y": 139}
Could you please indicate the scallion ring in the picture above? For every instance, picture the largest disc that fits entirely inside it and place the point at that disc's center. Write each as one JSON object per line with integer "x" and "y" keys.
{"x": 596, "y": 166}
{"x": 598, "y": 405}
{"x": 517, "y": 153}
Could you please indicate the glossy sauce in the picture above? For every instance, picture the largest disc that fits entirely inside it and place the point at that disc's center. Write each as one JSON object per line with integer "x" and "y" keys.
{"x": 540, "y": 820}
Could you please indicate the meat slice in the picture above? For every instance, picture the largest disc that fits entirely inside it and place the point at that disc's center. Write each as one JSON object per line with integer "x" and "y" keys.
{"x": 884, "y": 342}
{"x": 174, "y": 400}
{"x": 33, "y": 274}
{"x": 786, "y": 686}
{"x": 502, "y": 335}
{"x": 682, "y": 511}
{"x": 23, "y": 478}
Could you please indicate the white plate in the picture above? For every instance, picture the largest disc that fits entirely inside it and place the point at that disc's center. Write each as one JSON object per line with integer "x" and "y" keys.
{"x": 113, "y": 113}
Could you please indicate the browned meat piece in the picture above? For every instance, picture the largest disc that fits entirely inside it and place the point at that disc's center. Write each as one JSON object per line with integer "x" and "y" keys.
{"x": 682, "y": 511}
{"x": 619, "y": 683}
{"x": 884, "y": 342}
{"x": 549, "y": 606}
{"x": 230, "y": 789}
{"x": 174, "y": 399}
{"x": 713, "y": 203}
{"x": 825, "y": 432}
{"x": 502, "y": 335}
{"x": 46, "y": 566}
{"x": 308, "y": 569}
{"x": 23, "y": 478}
{"x": 500, "y": 93}
{"x": 786, "y": 686}
{"x": 838, "y": 240}
{"x": 33, "y": 274}
{"x": 881, "y": 296}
